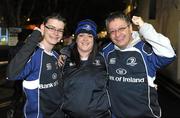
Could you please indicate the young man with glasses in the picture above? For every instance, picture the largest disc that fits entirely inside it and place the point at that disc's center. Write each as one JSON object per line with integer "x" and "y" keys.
{"x": 132, "y": 63}
{"x": 41, "y": 75}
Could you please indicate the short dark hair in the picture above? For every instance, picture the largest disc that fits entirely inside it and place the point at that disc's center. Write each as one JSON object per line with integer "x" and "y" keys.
{"x": 117, "y": 14}
{"x": 55, "y": 16}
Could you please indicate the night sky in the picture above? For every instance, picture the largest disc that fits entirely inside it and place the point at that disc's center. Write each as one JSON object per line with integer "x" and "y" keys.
{"x": 14, "y": 13}
{"x": 76, "y": 10}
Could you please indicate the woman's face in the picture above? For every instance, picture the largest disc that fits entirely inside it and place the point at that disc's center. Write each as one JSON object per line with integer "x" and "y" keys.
{"x": 85, "y": 42}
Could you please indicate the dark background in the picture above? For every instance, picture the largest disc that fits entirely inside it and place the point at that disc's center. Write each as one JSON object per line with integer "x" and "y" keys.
{"x": 14, "y": 13}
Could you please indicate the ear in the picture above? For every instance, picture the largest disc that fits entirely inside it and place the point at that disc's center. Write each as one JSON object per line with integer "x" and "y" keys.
{"x": 130, "y": 28}
{"x": 42, "y": 27}
{"x": 76, "y": 40}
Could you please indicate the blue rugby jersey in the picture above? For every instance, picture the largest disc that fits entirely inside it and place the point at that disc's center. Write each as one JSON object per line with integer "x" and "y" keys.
{"x": 132, "y": 72}
{"x": 42, "y": 84}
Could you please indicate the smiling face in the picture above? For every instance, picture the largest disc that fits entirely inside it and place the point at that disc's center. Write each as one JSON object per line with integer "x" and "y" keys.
{"x": 53, "y": 31}
{"x": 85, "y": 42}
{"x": 120, "y": 32}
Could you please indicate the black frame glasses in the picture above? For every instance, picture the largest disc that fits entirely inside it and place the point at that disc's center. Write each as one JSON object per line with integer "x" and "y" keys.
{"x": 53, "y": 29}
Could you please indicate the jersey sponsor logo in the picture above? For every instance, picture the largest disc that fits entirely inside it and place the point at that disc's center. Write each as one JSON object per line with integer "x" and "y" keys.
{"x": 112, "y": 61}
{"x": 48, "y": 66}
{"x": 118, "y": 79}
{"x": 131, "y": 61}
{"x": 127, "y": 79}
{"x": 121, "y": 71}
{"x": 49, "y": 85}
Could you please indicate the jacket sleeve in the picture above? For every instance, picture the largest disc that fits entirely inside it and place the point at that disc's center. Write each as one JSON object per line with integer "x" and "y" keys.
{"x": 161, "y": 45}
{"x": 17, "y": 64}
{"x": 67, "y": 50}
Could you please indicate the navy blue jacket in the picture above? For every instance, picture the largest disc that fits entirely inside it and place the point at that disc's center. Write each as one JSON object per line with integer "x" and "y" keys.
{"x": 85, "y": 89}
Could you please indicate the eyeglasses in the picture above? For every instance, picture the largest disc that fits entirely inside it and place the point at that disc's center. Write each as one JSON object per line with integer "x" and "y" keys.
{"x": 53, "y": 29}
{"x": 121, "y": 29}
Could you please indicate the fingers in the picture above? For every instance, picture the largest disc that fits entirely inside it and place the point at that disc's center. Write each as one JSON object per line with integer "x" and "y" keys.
{"x": 61, "y": 60}
{"x": 137, "y": 21}
{"x": 156, "y": 86}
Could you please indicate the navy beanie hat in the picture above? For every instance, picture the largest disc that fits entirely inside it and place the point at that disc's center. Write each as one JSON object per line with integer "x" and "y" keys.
{"x": 86, "y": 26}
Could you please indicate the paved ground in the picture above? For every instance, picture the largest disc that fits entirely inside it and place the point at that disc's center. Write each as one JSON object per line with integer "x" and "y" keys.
{"x": 170, "y": 104}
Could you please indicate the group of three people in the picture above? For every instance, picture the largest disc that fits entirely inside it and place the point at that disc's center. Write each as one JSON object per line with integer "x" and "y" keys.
{"x": 116, "y": 81}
